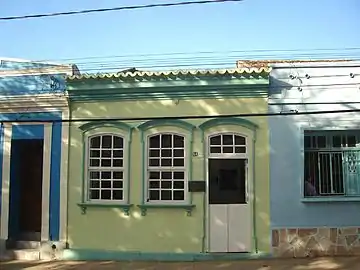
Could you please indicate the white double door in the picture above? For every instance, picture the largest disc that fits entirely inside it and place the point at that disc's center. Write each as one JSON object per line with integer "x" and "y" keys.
{"x": 230, "y": 226}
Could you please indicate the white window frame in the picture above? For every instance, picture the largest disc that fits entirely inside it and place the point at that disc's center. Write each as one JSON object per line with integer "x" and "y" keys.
{"x": 125, "y": 167}
{"x": 227, "y": 155}
{"x": 329, "y": 133}
{"x": 146, "y": 168}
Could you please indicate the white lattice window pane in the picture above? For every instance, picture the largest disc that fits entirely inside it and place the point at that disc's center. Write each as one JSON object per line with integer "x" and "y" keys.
{"x": 179, "y": 141}
{"x": 95, "y": 142}
{"x": 215, "y": 140}
{"x": 227, "y": 140}
{"x": 106, "y": 162}
{"x": 227, "y": 144}
{"x": 240, "y": 149}
{"x": 240, "y": 140}
{"x": 215, "y": 150}
{"x": 166, "y": 153}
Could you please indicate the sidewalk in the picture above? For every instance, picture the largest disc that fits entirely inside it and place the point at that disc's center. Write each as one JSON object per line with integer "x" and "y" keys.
{"x": 343, "y": 263}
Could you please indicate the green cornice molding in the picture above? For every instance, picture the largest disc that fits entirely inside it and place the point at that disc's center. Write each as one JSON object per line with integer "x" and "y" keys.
{"x": 168, "y": 85}
{"x": 172, "y": 75}
{"x": 228, "y": 121}
{"x": 104, "y": 124}
{"x": 166, "y": 122}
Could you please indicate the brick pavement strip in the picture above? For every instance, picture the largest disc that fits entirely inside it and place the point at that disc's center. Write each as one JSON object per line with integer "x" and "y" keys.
{"x": 337, "y": 263}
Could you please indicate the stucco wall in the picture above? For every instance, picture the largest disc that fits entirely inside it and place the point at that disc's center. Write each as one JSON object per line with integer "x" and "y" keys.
{"x": 326, "y": 89}
{"x": 25, "y": 84}
{"x": 161, "y": 230}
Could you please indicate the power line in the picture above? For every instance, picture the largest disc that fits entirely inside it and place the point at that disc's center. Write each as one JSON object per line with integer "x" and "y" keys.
{"x": 187, "y": 117}
{"x": 204, "y": 52}
{"x": 86, "y": 11}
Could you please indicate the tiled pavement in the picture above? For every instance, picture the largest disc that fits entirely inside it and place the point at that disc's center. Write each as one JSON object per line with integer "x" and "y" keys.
{"x": 337, "y": 263}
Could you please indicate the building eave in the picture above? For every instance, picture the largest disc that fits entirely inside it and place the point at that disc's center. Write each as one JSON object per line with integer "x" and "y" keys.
{"x": 174, "y": 74}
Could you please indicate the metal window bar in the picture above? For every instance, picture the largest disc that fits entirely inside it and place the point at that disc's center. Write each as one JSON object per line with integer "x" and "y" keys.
{"x": 331, "y": 180}
{"x": 351, "y": 172}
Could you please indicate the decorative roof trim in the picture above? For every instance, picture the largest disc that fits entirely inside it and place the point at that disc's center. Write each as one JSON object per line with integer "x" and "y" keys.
{"x": 228, "y": 121}
{"x": 103, "y": 124}
{"x": 174, "y": 73}
{"x": 166, "y": 122}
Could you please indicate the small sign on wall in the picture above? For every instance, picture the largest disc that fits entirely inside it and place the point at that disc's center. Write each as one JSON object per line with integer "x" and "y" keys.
{"x": 195, "y": 154}
{"x": 197, "y": 186}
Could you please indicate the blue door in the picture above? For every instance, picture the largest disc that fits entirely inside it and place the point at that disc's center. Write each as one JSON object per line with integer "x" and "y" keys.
{"x": 26, "y": 166}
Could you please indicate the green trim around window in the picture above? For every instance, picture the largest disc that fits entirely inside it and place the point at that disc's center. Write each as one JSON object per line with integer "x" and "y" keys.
{"x": 103, "y": 124}
{"x": 97, "y": 128}
{"x": 228, "y": 121}
{"x": 186, "y": 126}
{"x": 124, "y": 207}
{"x": 187, "y": 207}
{"x": 166, "y": 122}
{"x": 330, "y": 199}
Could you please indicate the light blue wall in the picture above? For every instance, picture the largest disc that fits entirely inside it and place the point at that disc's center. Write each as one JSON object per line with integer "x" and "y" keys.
{"x": 325, "y": 87}
{"x": 34, "y": 84}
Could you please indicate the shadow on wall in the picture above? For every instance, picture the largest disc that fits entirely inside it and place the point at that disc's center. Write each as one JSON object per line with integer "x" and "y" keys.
{"x": 275, "y": 264}
{"x": 31, "y": 84}
{"x": 286, "y": 162}
{"x": 163, "y": 226}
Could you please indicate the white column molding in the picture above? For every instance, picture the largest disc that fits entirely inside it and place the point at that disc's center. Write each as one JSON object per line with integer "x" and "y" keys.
{"x": 46, "y": 182}
{"x": 64, "y": 177}
{"x": 5, "y": 196}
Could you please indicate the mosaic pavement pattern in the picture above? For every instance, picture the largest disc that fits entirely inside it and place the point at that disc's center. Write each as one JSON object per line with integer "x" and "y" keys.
{"x": 313, "y": 242}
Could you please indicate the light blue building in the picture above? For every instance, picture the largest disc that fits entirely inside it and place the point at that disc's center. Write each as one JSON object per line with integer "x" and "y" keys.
{"x": 33, "y": 155}
{"x": 315, "y": 158}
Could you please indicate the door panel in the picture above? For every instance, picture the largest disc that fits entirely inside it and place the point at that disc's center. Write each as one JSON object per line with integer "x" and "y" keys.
{"x": 218, "y": 228}
{"x": 239, "y": 224}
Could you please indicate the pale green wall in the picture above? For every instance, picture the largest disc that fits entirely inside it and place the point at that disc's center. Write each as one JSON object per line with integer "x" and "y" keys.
{"x": 161, "y": 230}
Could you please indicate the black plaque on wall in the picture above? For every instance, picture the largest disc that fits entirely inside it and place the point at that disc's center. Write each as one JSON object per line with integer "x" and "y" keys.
{"x": 197, "y": 186}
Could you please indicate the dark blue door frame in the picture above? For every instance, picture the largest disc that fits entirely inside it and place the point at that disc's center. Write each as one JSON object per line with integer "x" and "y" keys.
{"x": 20, "y": 132}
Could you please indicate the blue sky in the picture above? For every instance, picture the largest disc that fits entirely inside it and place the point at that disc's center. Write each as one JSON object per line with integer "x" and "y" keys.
{"x": 247, "y": 25}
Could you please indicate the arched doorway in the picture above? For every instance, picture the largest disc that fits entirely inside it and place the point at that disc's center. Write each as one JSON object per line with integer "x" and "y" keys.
{"x": 229, "y": 210}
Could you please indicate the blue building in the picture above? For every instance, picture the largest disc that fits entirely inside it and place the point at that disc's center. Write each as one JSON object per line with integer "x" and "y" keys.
{"x": 315, "y": 158}
{"x": 33, "y": 155}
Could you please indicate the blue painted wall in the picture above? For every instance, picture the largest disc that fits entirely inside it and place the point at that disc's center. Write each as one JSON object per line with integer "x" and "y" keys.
{"x": 324, "y": 90}
{"x": 32, "y": 84}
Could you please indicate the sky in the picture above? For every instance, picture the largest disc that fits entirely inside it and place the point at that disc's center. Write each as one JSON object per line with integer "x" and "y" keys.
{"x": 234, "y": 26}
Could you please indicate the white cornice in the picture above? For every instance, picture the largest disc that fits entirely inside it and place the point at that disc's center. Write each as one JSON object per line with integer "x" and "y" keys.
{"x": 67, "y": 70}
{"x": 26, "y": 103}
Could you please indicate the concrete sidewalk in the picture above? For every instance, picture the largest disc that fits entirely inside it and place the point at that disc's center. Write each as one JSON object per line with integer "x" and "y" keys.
{"x": 343, "y": 263}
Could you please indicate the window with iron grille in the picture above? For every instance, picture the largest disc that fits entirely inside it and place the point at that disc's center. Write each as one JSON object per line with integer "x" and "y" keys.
{"x": 106, "y": 168}
{"x": 331, "y": 163}
{"x": 166, "y": 168}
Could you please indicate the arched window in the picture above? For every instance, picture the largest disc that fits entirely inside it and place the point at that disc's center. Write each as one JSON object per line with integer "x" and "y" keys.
{"x": 166, "y": 167}
{"x": 106, "y": 168}
{"x": 227, "y": 144}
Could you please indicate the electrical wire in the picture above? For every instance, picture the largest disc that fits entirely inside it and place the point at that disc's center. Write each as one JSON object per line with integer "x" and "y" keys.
{"x": 187, "y": 117}
{"x": 87, "y": 11}
{"x": 204, "y": 52}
